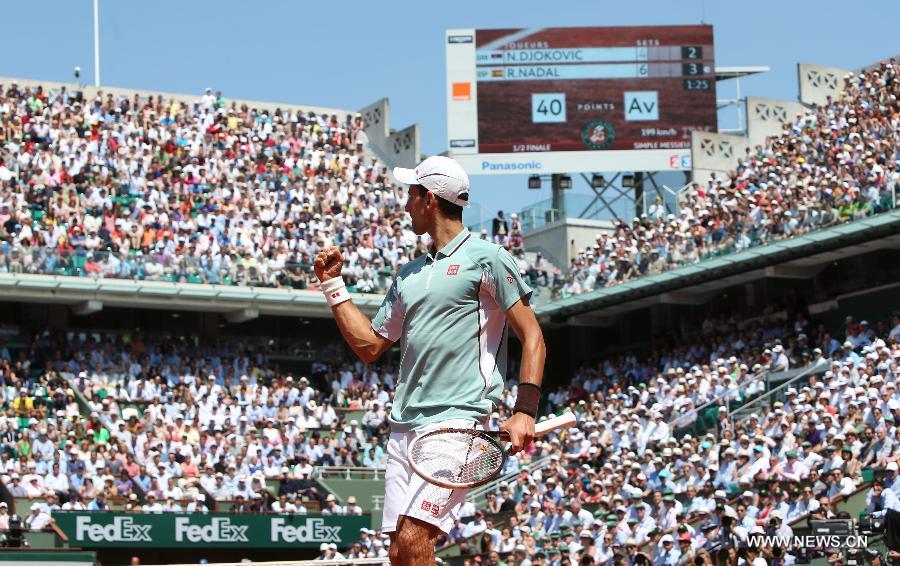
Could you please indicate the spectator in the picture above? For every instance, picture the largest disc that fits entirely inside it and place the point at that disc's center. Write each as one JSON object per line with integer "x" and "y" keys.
{"x": 38, "y": 519}
{"x": 186, "y": 215}
{"x": 500, "y": 229}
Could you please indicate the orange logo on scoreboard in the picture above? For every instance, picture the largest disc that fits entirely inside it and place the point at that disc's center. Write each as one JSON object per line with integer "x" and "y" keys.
{"x": 462, "y": 91}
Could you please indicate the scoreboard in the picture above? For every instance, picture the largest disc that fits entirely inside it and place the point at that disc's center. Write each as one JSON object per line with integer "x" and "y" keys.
{"x": 557, "y": 100}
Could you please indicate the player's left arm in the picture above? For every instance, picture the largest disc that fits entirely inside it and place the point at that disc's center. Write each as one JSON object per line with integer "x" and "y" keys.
{"x": 531, "y": 374}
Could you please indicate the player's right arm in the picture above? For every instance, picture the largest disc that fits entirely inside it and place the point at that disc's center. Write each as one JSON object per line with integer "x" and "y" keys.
{"x": 358, "y": 332}
{"x": 355, "y": 326}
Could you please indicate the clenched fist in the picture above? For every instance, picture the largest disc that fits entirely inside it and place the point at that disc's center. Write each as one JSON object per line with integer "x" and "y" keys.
{"x": 328, "y": 264}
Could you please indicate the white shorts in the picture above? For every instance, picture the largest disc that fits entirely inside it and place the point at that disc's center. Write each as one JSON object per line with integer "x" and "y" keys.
{"x": 406, "y": 493}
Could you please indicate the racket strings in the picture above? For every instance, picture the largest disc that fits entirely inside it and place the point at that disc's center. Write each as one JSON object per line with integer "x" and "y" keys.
{"x": 459, "y": 458}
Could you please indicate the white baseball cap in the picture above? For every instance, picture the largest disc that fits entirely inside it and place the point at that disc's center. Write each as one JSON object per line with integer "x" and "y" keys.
{"x": 441, "y": 175}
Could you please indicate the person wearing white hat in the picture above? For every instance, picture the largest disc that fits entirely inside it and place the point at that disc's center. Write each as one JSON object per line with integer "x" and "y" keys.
{"x": 197, "y": 504}
{"x": 332, "y": 552}
{"x": 351, "y": 508}
{"x": 37, "y": 519}
{"x": 892, "y": 478}
{"x": 780, "y": 361}
{"x": 449, "y": 375}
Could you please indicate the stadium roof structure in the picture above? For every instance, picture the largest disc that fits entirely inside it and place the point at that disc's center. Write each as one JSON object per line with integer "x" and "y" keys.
{"x": 727, "y": 73}
{"x": 796, "y": 258}
{"x": 92, "y": 91}
{"x": 236, "y": 303}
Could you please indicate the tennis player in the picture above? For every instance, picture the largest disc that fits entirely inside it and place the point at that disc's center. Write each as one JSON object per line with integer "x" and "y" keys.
{"x": 449, "y": 311}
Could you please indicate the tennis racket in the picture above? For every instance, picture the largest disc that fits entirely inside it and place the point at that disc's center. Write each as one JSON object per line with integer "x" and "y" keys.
{"x": 462, "y": 458}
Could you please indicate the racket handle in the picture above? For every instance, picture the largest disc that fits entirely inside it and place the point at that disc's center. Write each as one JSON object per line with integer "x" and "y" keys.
{"x": 564, "y": 420}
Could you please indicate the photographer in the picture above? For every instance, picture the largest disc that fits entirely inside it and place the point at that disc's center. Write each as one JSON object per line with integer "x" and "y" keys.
{"x": 879, "y": 500}
{"x": 703, "y": 559}
{"x": 777, "y": 526}
{"x": 882, "y": 503}
{"x": 729, "y": 534}
{"x": 775, "y": 556}
{"x": 753, "y": 557}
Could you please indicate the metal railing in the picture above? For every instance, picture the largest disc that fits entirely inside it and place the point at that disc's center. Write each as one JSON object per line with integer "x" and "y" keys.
{"x": 776, "y": 394}
{"x": 172, "y": 268}
{"x": 377, "y": 502}
{"x": 341, "y": 562}
{"x": 541, "y": 213}
{"x": 481, "y": 492}
{"x": 716, "y": 400}
{"x": 347, "y": 473}
{"x": 756, "y": 237}
{"x": 678, "y": 195}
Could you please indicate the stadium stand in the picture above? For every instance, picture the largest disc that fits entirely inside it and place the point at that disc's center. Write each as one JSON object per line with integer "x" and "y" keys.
{"x": 833, "y": 165}
{"x": 142, "y": 188}
{"x": 679, "y": 455}
{"x": 141, "y": 424}
{"x": 146, "y": 188}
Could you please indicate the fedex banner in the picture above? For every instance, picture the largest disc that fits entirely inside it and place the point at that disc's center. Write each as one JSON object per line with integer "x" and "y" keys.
{"x": 111, "y": 530}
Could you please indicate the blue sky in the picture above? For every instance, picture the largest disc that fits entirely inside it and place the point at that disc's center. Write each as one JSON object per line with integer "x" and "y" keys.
{"x": 351, "y": 53}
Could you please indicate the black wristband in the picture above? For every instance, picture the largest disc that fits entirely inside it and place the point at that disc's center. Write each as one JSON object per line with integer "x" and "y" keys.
{"x": 528, "y": 399}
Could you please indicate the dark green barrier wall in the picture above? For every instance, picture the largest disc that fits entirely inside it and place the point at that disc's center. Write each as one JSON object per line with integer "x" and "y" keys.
{"x": 44, "y": 558}
{"x": 364, "y": 490}
{"x": 133, "y": 530}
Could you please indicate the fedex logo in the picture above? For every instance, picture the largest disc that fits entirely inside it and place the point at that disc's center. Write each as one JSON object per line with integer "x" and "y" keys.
{"x": 122, "y": 529}
{"x": 312, "y": 530}
{"x": 219, "y": 530}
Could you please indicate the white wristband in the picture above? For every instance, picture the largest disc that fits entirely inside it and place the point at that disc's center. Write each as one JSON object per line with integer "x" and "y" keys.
{"x": 335, "y": 291}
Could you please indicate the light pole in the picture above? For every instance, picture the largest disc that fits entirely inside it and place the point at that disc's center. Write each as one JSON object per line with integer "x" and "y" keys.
{"x": 559, "y": 182}
{"x": 97, "y": 43}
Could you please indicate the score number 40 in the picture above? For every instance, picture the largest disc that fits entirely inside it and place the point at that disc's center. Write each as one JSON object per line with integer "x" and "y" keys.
{"x": 548, "y": 107}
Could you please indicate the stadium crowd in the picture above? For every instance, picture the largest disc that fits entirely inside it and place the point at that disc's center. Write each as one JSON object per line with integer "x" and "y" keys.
{"x": 225, "y": 194}
{"x": 181, "y": 426}
{"x": 837, "y": 163}
{"x": 213, "y": 192}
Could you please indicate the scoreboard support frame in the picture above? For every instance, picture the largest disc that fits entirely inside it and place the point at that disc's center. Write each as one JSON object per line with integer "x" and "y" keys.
{"x": 631, "y": 190}
{"x": 633, "y": 195}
